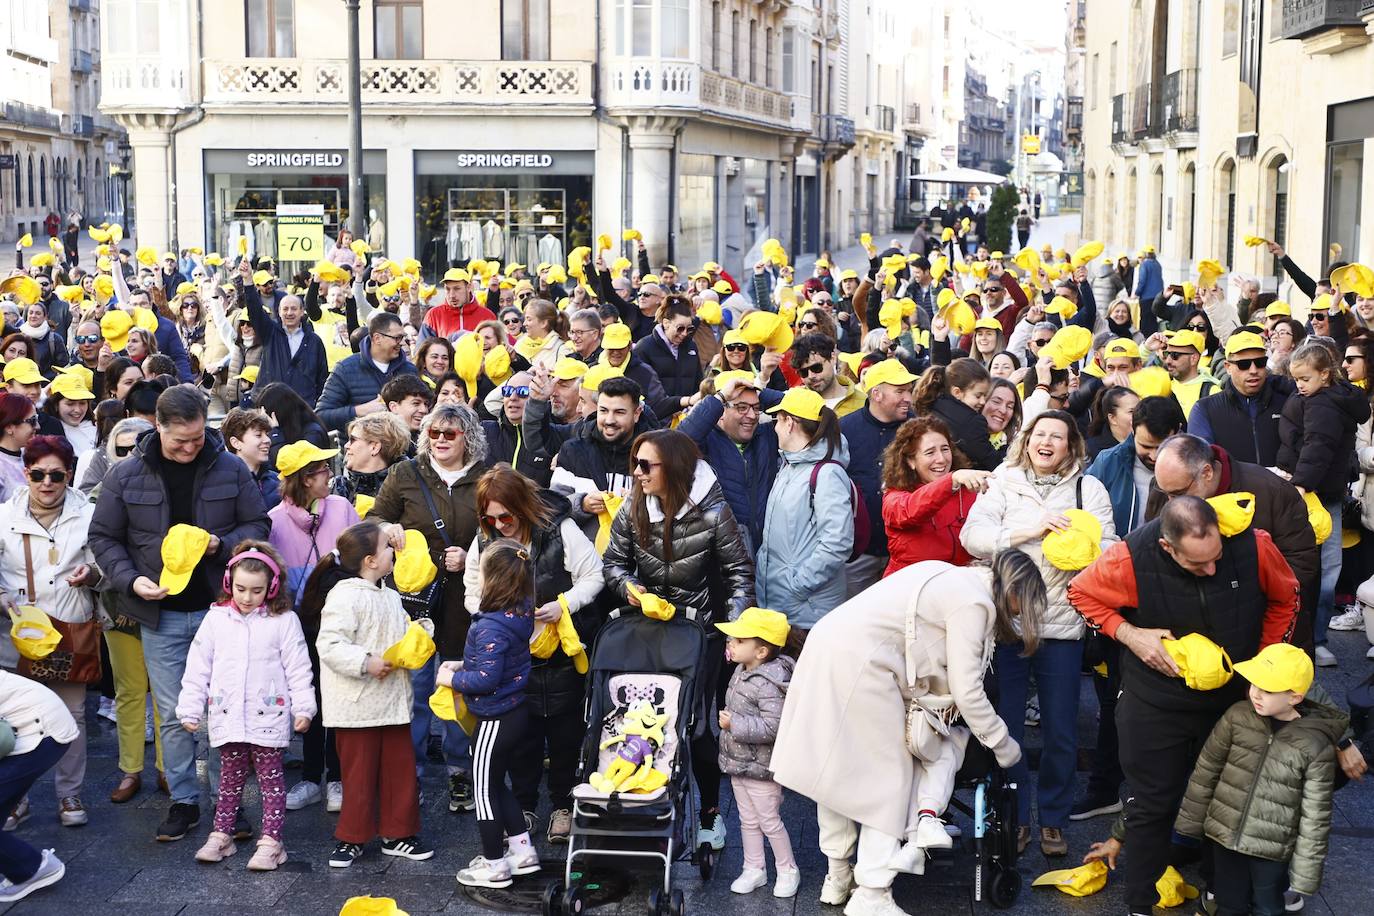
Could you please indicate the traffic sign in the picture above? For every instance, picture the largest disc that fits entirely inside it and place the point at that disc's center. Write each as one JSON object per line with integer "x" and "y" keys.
{"x": 1030, "y": 144}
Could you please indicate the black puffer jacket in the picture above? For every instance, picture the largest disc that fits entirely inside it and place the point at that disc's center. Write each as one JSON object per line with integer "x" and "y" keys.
{"x": 969, "y": 429}
{"x": 680, "y": 374}
{"x": 1317, "y": 438}
{"x": 710, "y": 570}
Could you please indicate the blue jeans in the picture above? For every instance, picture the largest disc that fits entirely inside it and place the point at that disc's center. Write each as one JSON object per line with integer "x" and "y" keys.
{"x": 1056, "y": 665}
{"x": 1331, "y": 571}
{"x": 18, "y": 860}
{"x": 164, "y": 652}
{"x": 457, "y": 751}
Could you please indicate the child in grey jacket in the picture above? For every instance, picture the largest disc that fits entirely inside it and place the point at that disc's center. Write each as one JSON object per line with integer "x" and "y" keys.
{"x": 748, "y": 725}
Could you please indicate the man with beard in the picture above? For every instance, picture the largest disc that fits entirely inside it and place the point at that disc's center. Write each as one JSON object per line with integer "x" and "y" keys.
{"x": 565, "y": 395}
{"x": 813, "y": 356}
{"x": 597, "y": 460}
{"x": 742, "y": 452}
{"x": 459, "y": 313}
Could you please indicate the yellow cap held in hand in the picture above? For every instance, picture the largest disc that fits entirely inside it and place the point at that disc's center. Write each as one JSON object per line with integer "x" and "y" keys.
{"x": 1235, "y": 512}
{"x": 1076, "y": 547}
{"x": 32, "y": 632}
{"x": 415, "y": 568}
{"x": 1317, "y": 515}
{"x": 1202, "y": 664}
{"x": 412, "y": 650}
{"x": 182, "y": 549}
{"x": 451, "y": 707}
{"x": 652, "y": 605}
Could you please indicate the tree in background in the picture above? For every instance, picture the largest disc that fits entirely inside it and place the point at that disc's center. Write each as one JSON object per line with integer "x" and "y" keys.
{"x": 1001, "y": 216}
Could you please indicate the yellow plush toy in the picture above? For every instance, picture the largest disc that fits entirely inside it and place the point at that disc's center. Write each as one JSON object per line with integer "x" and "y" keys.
{"x": 632, "y": 770}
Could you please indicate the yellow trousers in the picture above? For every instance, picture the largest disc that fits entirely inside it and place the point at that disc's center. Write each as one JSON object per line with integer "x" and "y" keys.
{"x": 131, "y": 696}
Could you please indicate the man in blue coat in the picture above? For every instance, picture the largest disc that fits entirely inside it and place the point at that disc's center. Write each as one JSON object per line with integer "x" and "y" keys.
{"x": 291, "y": 350}
{"x": 742, "y": 451}
{"x": 354, "y": 388}
{"x": 1149, "y": 278}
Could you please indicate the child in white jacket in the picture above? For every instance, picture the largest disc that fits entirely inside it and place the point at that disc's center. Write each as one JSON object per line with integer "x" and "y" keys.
{"x": 249, "y": 661}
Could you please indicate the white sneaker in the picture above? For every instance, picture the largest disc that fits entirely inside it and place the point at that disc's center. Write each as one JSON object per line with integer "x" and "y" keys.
{"x": 909, "y": 859}
{"x": 1324, "y": 658}
{"x": 106, "y": 709}
{"x": 870, "y": 901}
{"x": 1293, "y": 902}
{"x": 749, "y": 880}
{"x": 50, "y": 871}
{"x": 930, "y": 834}
{"x": 522, "y": 861}
{"x": 303, "y": 795}
{"x": 1352, "y": 619}
{"x": 482, "y": 872}
{"x": 835, "y": 891}
{"x": 1370, "y": 653}
{"x": 789, "y": 880}
{"x": 333, "y": 794}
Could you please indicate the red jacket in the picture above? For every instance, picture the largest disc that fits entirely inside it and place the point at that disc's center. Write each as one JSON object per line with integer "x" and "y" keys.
{"x": 924, "y": 524}
{"x": 446, "y": 321}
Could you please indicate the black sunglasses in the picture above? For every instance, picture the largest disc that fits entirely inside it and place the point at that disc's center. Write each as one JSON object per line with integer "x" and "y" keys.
{"x": 87, "y": 338}
{"x": 1244, "y": 365}
{"x": 38, "y": 475}
{"x": 1040, "y": 342}
{"x": 808, "y": 324}
{"x": 813, "y": 369}
{"x": 520, "y": 391}
{"x": 511, "y": 320}
{"x": 122, "y": 451}
{"x": 645, "y": 466}
{"x": 992, "y": 289}
{"x": 735, "y": 348}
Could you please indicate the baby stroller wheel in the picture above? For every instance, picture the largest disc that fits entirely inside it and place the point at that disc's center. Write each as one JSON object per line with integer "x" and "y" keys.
{"x": 1006, "y": 887}
{"x": 656, "y": 901}
{"x": 706, "y": 861}
{"x": 572, "y": 901}
{"x": 677, "y": 905}
{"x": 552, "y": 899}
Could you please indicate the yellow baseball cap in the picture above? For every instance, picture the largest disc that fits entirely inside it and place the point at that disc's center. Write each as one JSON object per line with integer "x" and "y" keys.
{"x": 115, "y": 326}
{"x": 710, "y": 313}
{"x": 250, "y": 374}
{"x": 743, "y": 376}
{"x": 757, "y": 623}
{"x": 1317, "y": 516}
{"x": 1278, "y": 669}
{"x": 849, "y": 274}
{"x": 597, "y": 374}
{"x": 497, "y": 364}
{"x": 79, "y": 372}
{"x": 731, "y": 337}
{"x": 32, "y": 633}
{"x": 1150, "y": 382}
{"x": 987, "y": 323}
{"x": 412, "y": 650}
{"x": 711, "y": 267}
{"x": 414, "y": 567}
{"x": 145, "y": 319}
{"x": 1062, "y": 306}
{"x": 457, "y": 275}
{"x": 887, "y": 372}
{"x": 1076, "y": 882}
{"x": 24, "y": 371}
{"x": 70, "y": 387}
{"x": 801, "y": 402}
{"x": 1173, "y": 890}
{"x": 1202, "y": 664}
{"x": 1121, "y": 346}
{"x": 568, "y": 368}
{"x": 182, "y": 548}
{"x": 616, "y": 337}
{"x": 364, "y": 503}
{"x": 1235, "y": 512}
{"x": 1188, "y": 340}
{"x": 450, "y": 707}
{"x": 1278, "y": 308}
{"x": 723, "y": 287}
{"x": 299, "y": 455}
{"x": 1076, "y": 547}
{"x": 1241, "y": 341}
{"x": 371, "y": 906}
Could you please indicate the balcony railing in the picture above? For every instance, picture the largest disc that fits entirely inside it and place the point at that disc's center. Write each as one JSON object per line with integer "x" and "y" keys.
{"x": 152, "y": 81}
{"x": 1121, "y": 112}
{"x": 83, "y": 125}
{"x": 913, "y": 113}
{"x": 279, "y": 80}
{"x": 1074, "y": 119}
{"x": 81, "y": 61}
{"x": 81, "y": 6}
{"x": 31, "y": 116}
{"x": 655, "y": 83}
{"x": 730, "y": 96}
{"x": 1301, "y": 18}
{"x": 1180, "y": 101}
{"x": 886, "y": 118}
{"x": 836, "y": 129}
{"x": 1146, "y": 118}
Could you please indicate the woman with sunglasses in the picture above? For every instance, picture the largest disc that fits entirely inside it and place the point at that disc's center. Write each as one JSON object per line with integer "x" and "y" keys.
{"x": 450, "y": 459}
{"x": 677, "y": 538}
{"x": 305, "y": 526}
{"x": 246, "y": 351}
{"x": 45, "y": 560}
{"x": 512, "y": 321}
{"x": 734, "y": 356}
{"x": 91, "y": 467}
{"x": 672, "y": 353}
{"x": 190, "y": 321}
{"x": 568, "y": 578}
{"x": 18, "y": 424}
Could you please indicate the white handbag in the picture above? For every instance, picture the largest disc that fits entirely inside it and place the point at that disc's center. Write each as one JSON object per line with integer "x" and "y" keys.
{"x": 928, "y": 717}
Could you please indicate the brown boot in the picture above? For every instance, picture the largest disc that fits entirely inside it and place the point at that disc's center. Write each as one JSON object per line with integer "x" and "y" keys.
{"x": 1022, "y": 839}
{"x": 128, "y": 787}
{"x": 162, "y": 783}
{"x": 1052, "y": 842}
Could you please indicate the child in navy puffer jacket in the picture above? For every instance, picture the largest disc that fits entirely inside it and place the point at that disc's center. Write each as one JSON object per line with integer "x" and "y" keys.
{"x": 492, "y": 677}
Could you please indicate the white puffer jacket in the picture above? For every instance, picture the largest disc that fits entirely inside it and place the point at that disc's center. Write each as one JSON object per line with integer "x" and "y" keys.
{"x": 1014, "y": 503}
{"x": 361, "y": 618}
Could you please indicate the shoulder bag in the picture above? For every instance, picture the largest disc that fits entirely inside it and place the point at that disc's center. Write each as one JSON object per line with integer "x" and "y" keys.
{"x": 928, "y": 717}
{"x": 76, "y": 660}
{"x": 425, "y": 604}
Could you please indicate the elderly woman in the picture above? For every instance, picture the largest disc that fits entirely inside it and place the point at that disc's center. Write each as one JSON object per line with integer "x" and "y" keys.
{"x": 1042, "y": 479}
{"x": 376, "y": 441}
{"x": 870, "y": 789}
{"x": 928, "y": 490}
{"x": 45, "y": 560}
{"x": 697, "y": 561}
{"x": 567, "y": 580}
{"x": 125, "y": 644}
{"x": 436, "y": 494}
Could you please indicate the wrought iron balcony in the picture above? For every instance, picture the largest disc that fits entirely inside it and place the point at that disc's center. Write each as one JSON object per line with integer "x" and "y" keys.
{"x": 1303, "y": 18}
{"x": 83, "y": 125}
{"x": 1146, "y": 116}
{"x": 31, "y": 116}
{"x": 81, "y": 61}
{"x": 1121, "y": 112}
{"x": 836, "y": 129}
{"x": 1180, "y": 101}
{"x": 1073, "y": 127}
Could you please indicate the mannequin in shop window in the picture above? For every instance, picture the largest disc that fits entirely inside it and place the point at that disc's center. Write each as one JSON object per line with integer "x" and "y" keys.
{"x": 376, "y": 231}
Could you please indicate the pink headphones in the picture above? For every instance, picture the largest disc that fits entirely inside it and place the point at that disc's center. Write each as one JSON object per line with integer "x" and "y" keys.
{"x": 272, "y": 588}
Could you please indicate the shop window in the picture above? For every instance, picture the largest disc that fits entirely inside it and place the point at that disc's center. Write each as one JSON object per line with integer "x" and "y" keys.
{"x": 641, "y": 27}
{"x": 789, "y": 59}
{"x": 398, "y": 29}
{"x": 676, "y": 29}
{"x": 715, "y": 36}
{"x": 1344, "y": 175}
{"x": 271, "y": 27}
{"x": 525, "y": 29}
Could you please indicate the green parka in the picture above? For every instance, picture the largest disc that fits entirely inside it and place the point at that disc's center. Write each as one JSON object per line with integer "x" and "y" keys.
{"x": 1267, "y": 793}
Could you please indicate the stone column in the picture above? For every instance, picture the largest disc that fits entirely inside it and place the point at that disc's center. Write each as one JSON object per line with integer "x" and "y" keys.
{"x": 150, "y": 136}
{"x": 652, "y": 139}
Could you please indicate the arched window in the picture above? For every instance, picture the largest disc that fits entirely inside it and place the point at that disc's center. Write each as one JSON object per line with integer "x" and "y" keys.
{"x": 1187, "y": 199}
{"x": 1131, "y": 233}
{"x": 1110, "y": 207}
{"x": 1276, "y": 194}
{"x": 31, "y": 202}
{"x": 1226, "y": 208}
{"x": 1156, "y": 202}
{"x": 1090, "y": 204}
{"x": 42, "y": 181}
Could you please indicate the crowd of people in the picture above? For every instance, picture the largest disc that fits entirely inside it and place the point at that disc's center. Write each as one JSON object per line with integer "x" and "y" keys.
{"x": 923, "y": 496}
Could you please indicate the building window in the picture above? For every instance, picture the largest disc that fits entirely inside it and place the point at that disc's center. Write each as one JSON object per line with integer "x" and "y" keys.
{"x": 1230, "y": 27}
{"x": 1344, "y": 173}
{"x": 676, "y": 29}
{"x": 641, "y": 27}
{"x": 715, "y": 36}
{"x": 271, "y": 27}
{"x": 398, "y": 29}
{"x": 1092, "y": 85}
{"x": 42, "y": 181}
{"x": 753, "y": 50}
{"x": 736, "y": 45}
{"x": 789, "y": 59}
{"x": 1111, "y": 72}
{"x": 770, "y": 79}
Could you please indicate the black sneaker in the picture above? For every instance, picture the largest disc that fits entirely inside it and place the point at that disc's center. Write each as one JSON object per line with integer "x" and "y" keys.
{"x": 242, "y": 829}
{"x": 181, "y": 818}
{"x": 407, "y": 847}
{"x": 344, "y": 854}
{"x": 434, "y": 749}
{"x": 460, "y": 796}
{"x": 1095, "y": 806}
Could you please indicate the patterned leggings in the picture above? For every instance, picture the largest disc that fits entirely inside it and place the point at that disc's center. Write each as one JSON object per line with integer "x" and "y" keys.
{"x": 235, "y": 760}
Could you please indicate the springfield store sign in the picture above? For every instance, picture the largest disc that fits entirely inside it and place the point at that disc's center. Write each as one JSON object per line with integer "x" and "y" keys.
{"x": 505, "y": 161}
{"x": 295, "y": 160}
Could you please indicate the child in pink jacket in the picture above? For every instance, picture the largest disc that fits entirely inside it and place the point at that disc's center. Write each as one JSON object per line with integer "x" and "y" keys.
{"x": 249, "y": 662}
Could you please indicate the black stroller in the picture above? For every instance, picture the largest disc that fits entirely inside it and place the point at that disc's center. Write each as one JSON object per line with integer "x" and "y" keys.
{"x": 635, "y": 660}
{"x": 993, "y": 811}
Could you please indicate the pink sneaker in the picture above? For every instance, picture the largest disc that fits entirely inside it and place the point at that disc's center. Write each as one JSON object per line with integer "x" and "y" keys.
{"x": 270, "y": 853}
{"x": 218, "y": 847}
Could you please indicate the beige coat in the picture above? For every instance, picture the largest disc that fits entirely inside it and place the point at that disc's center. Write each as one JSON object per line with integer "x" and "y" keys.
{"x": 842, "y": 740}
{"x": 361, "y": 618}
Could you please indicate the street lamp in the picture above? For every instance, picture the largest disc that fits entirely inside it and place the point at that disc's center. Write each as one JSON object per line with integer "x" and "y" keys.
{"x": 355, "y": 124}
{"x": 125, "y": 153}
